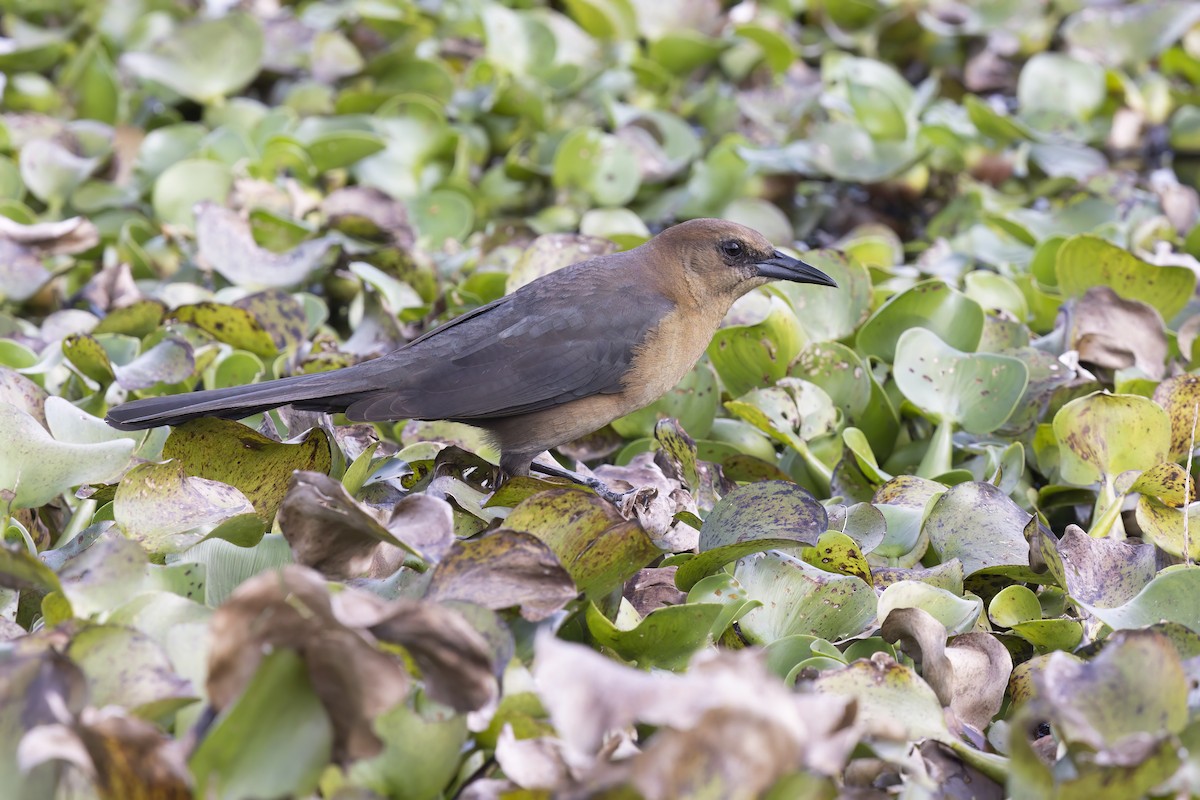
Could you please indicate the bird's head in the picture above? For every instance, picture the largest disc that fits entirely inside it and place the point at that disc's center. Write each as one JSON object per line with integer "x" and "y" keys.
{"x": 723, "y": 259}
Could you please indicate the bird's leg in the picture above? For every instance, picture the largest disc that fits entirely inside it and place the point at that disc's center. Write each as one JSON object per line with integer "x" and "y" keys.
{"x": 598, "y": 486}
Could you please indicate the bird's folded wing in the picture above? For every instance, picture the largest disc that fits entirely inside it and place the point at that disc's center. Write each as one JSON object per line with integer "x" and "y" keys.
{"x": 527, "y": 352}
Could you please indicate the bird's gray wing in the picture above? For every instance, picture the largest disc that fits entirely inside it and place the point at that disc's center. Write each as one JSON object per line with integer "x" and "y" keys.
{"x": 567, "y": 336}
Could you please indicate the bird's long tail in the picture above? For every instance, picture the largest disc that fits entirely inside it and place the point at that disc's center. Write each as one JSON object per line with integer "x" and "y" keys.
{"x": 324, "y": 391}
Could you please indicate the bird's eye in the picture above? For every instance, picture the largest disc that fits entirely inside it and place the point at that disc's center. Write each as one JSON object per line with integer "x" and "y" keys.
{"x": 731, "y": 248}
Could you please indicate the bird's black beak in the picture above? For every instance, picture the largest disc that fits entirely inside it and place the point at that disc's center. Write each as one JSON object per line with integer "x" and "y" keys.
{"x": 783, "y": 267}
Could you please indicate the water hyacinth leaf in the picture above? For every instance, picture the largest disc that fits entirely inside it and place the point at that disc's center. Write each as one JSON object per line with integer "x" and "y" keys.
{"x": 800, "y": 599}
{"x": 604, "y": 19}
{"x": 847, "y": 151}
{"x": 184, "y": 184}
{"x": 69, "y": 423}
{"x": 1049, "y": 635}
{"x": 127, "y": 668}
{"x": 741, "y": 436}
{"x": 760, "y": 339}
{"x": 37, "y": 467}
{"x": 888, "y": 694}
{"x": 1103, "y": 435}
{"x": 977, "y": 391}
{"x": 442, "y": 215}
{"x": 1013, "y": 605}
{"x": 1125, "y": 36}
{"x": 551, "y": 252}
{"x": 1173, "y": 530}
{"x": 1168, "y": 483}
{"x": 598, "y": 164}
{"x": 1110, "y": 332}
{"x": 903, "y": 501}
{"x": 862, "y": 522}
{"x": 21, "y": 570}
{"x": 235, "y": 326}
{"x": 339, "y": 149}
{"x": 252, "y": 748}
{"x": 504, "y": 569}
{"x": 665, "y": 639}
{"x": 203, "y": 60}
{"x": 1180, "y": 396}
{"x": 1141, "y": 679}
{"x": 227, "y": 245}
{"x": 1054, "y": 84}
{"x": 1168, "y": 597}
{"x": 980, "y": 526}
{"x": 838, "y": 553}
{"x": 599, "y": 550}
{"x": 51, "y": 172}
{"x": 403, "y": 771}
{"x": 792, "y": 412}
{"x": 225, "y": 451}
{"x": 89, "y": 357}
{"x": 840, "y": 372}
{"x": 1086, "y": 261}
{"x": 169, "y": 361}
{"x": 955, "y": 318}
{"x": 969, "y": 675}
{"x": 280, "y": 314}
{"x": 957, "y": 614}
{"x": 328, "y": 531}
{"x": 226, "y": 565}
{"x": 750, "y": 519}
{"x": 168, "y": 511}
{"x": 139, "y": 318}
{"x": 948, "y": 576}
{"x": 722, "y": 589}
{"x": 1104, "y": 572}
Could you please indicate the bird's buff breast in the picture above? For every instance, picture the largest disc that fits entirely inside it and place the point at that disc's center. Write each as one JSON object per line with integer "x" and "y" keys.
{"x": 663, "y": 358}
{"x": 667, "y": 354}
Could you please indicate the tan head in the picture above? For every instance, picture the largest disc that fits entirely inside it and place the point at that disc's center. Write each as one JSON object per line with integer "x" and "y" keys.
{"x": 723, "y": 260}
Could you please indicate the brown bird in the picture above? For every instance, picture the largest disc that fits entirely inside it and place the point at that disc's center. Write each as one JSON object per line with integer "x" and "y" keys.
{"x": 553, "y": 361}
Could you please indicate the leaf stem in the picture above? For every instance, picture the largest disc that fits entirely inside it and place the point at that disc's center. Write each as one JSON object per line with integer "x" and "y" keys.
{"x": 939, "y": 458}
{"x": 1111, "y": 502}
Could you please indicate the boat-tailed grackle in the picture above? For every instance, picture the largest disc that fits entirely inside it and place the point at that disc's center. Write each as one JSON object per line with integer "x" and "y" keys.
{"x": 553, "y": 361}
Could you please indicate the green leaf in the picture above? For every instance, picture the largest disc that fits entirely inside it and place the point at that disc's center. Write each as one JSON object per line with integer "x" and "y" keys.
{"x": 666, "y": 638}
{"x": 599, "y": 164}
{"x": 799, "y": 599}
{"x": 414, "y": 773}
{"x": 1013, "y": 605}
{"x": 225, "y": 451}
{"x": 37, "y": 467}
{"x": 750, "y": 519}
{"x": 1103, "y": 435}
{"x": 980, "y": 526}
{"x": 235, "y": 326}
{"x": 184, "y": 184}
{"x": 166, "y": 511}
{"x": 274, "y": 740}
{"x": 977, "y": 391}
{"x": 205, "y": 59}
{"x": 339, "y": 149}
{"x": 957, "y": 614}
{"x": 1087, "y": 261}
{"x": 954, "y": 317}
{"x": 1170, "y": 597}
{"x": 599, "y": 549}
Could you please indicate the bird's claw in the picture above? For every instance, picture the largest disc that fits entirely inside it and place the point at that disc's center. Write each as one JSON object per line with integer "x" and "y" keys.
{"x": 627, "y": 501}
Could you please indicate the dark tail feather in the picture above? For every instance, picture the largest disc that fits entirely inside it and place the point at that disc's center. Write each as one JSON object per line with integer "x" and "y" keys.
{"x": 321, "y": 391}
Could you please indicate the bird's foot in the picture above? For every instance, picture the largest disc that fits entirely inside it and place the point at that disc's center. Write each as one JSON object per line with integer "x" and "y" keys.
{"x": 624, "y": 501}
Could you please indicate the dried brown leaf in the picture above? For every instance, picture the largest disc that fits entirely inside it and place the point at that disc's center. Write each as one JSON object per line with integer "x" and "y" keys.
{"x": 504, "y": 569}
